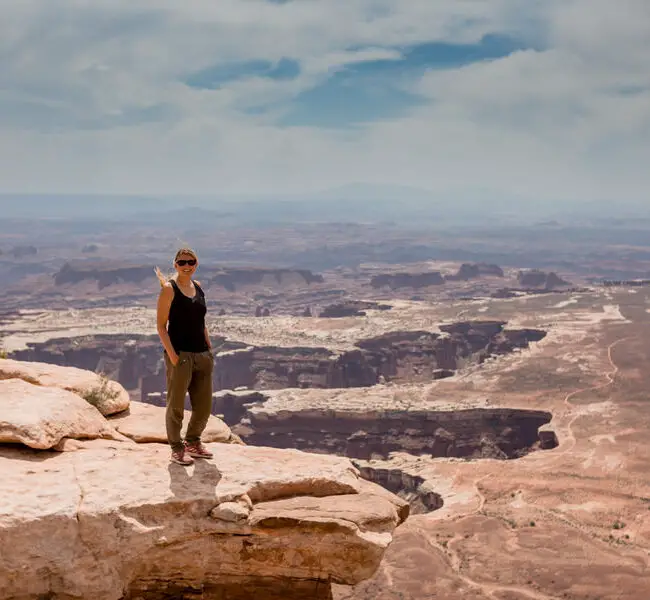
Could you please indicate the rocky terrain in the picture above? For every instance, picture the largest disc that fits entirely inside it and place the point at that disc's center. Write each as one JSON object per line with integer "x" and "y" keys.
{"x": 399, "y": 356}
{"x": 462, "y": 433}
{"x": 468, "y": 271}
{"x": 396, "y": 281}
{"x": 351, "y": 308}
{"x": 228, "y": 278}
{"x": 115, "y": 520}
{"x": 540, "y": 279}
{"x": 514, "y": 426}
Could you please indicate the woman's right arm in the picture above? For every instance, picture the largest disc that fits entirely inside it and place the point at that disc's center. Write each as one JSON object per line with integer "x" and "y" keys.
{"x": 162, "y": 316}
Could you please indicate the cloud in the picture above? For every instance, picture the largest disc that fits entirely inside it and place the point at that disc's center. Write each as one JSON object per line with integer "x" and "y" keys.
{"x": 550, "y": 100}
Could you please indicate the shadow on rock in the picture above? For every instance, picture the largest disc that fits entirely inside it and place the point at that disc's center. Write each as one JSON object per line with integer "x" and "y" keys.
{"x": 20, "y": 452}
{"x": 198, "y": 481}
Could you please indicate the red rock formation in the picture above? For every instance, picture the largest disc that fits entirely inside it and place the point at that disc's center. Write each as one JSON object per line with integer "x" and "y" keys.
{"x": 107, "y": 274}
{"x": 135, "y": 361}
{"x": 232, "y": 279}
{"x": 469, "y": 271}
{"x": 540, "y": 279}
{"x": 475, "y": 433}
{"x": 396, "y": 281}
{"x": 351, "y": 308}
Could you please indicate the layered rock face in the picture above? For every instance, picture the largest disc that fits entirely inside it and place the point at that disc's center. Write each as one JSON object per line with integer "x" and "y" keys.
{"x": 540, "y": 279}
{"x": 103, "y": 275}
{"x": 397, "y": 356}
{"x": 469, "y": 271}
{"x": 396, "y": 281}
{"x": 473, "y": 433}
{"x": 412, "y": 488}
{"x": 114, "y": 519}
{"x": 106, "y": 274}
{"x": 466, "y": 271}
{"x": 125, "y": 524}
{"x": 231, "y": 279}
{"x": 415, "y": 355}
{"x": 351, "y": 308}
{"x": 124, "y": 358}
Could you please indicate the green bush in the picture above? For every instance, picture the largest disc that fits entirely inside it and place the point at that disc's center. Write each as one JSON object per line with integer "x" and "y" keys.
{"x": 101, "y": 393}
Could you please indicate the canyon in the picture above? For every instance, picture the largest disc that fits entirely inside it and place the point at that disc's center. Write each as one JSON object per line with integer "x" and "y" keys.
{"x": 470, "y": 433}
{"x": 510, "y": 428}
{"x": 135, "y": 361}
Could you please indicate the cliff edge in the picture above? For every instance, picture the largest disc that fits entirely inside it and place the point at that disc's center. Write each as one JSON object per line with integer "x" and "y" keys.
{"x": 112, "y": 518}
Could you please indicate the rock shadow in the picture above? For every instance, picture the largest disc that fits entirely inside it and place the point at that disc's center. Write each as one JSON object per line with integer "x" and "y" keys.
{"x": 194, "y": 482}
{"x": 21, "y": 452}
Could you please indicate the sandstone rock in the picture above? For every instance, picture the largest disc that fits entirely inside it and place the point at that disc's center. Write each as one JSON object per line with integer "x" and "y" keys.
{"x": 72, "y": 445}
{"x": 146, "y": 423}
{"x": 231, "y": 512}
{"x": 123, "y": 522}
{"x": 108, "y": 396}
{"x": 40, "y": 417}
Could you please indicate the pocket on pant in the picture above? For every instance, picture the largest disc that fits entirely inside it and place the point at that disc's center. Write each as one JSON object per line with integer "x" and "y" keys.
{"x": 181, "y": 360}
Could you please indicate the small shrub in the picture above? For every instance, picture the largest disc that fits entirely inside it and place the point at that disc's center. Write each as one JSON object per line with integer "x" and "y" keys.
{"x": 618, "y": 525}
{"x": 101, "y": 393}
{"x": 532, "y": 523}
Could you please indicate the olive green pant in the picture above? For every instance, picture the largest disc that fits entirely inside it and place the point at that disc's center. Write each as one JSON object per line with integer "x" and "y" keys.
{"x": 192, "y": 373}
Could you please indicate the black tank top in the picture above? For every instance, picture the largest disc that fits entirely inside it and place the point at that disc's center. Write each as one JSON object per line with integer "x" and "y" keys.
{"x": 187, "y": 320}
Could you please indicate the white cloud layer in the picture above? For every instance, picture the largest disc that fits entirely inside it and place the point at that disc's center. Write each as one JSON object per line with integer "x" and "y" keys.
{"x": 92, "y": 98}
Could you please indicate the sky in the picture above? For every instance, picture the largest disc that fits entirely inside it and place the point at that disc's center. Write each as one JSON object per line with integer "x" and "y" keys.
{"x": 542, "y": 100}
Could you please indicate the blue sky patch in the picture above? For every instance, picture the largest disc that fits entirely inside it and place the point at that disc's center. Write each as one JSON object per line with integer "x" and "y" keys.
{"x": 214, "y": 77}
{"x": 378, "y": 89}
{"x": 343, "y": 101}
{"x": 442, "y": 55}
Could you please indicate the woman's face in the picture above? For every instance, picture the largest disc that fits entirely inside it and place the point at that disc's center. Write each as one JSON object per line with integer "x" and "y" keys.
{"x": 185, "y": 268}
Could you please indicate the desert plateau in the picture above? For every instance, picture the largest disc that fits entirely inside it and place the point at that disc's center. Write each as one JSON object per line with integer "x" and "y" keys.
{"x": 501, "y": 410}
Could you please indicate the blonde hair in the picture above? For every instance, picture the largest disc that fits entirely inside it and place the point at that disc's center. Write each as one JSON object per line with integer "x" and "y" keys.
{"x": 165, "y": 278}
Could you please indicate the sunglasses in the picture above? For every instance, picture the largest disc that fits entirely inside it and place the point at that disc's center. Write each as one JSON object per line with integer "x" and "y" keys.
{"x": 182, "y": 262}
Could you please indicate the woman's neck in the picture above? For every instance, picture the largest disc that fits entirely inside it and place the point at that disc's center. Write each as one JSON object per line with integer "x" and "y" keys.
{"x": 184, "y": 280}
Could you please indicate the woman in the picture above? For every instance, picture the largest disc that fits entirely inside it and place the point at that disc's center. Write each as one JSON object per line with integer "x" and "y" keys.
{"x": 188, "y": 357}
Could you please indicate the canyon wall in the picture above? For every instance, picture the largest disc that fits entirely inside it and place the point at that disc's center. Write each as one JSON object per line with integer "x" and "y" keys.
{"x": 472, "y": 433}
{"x": 107, "y": 274}
{"x": 402, "y": 356}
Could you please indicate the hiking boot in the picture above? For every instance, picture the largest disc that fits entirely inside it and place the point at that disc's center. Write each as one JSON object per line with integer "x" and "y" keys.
{"x": 198, "y": 450}
{"x": 181, "y": 457}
